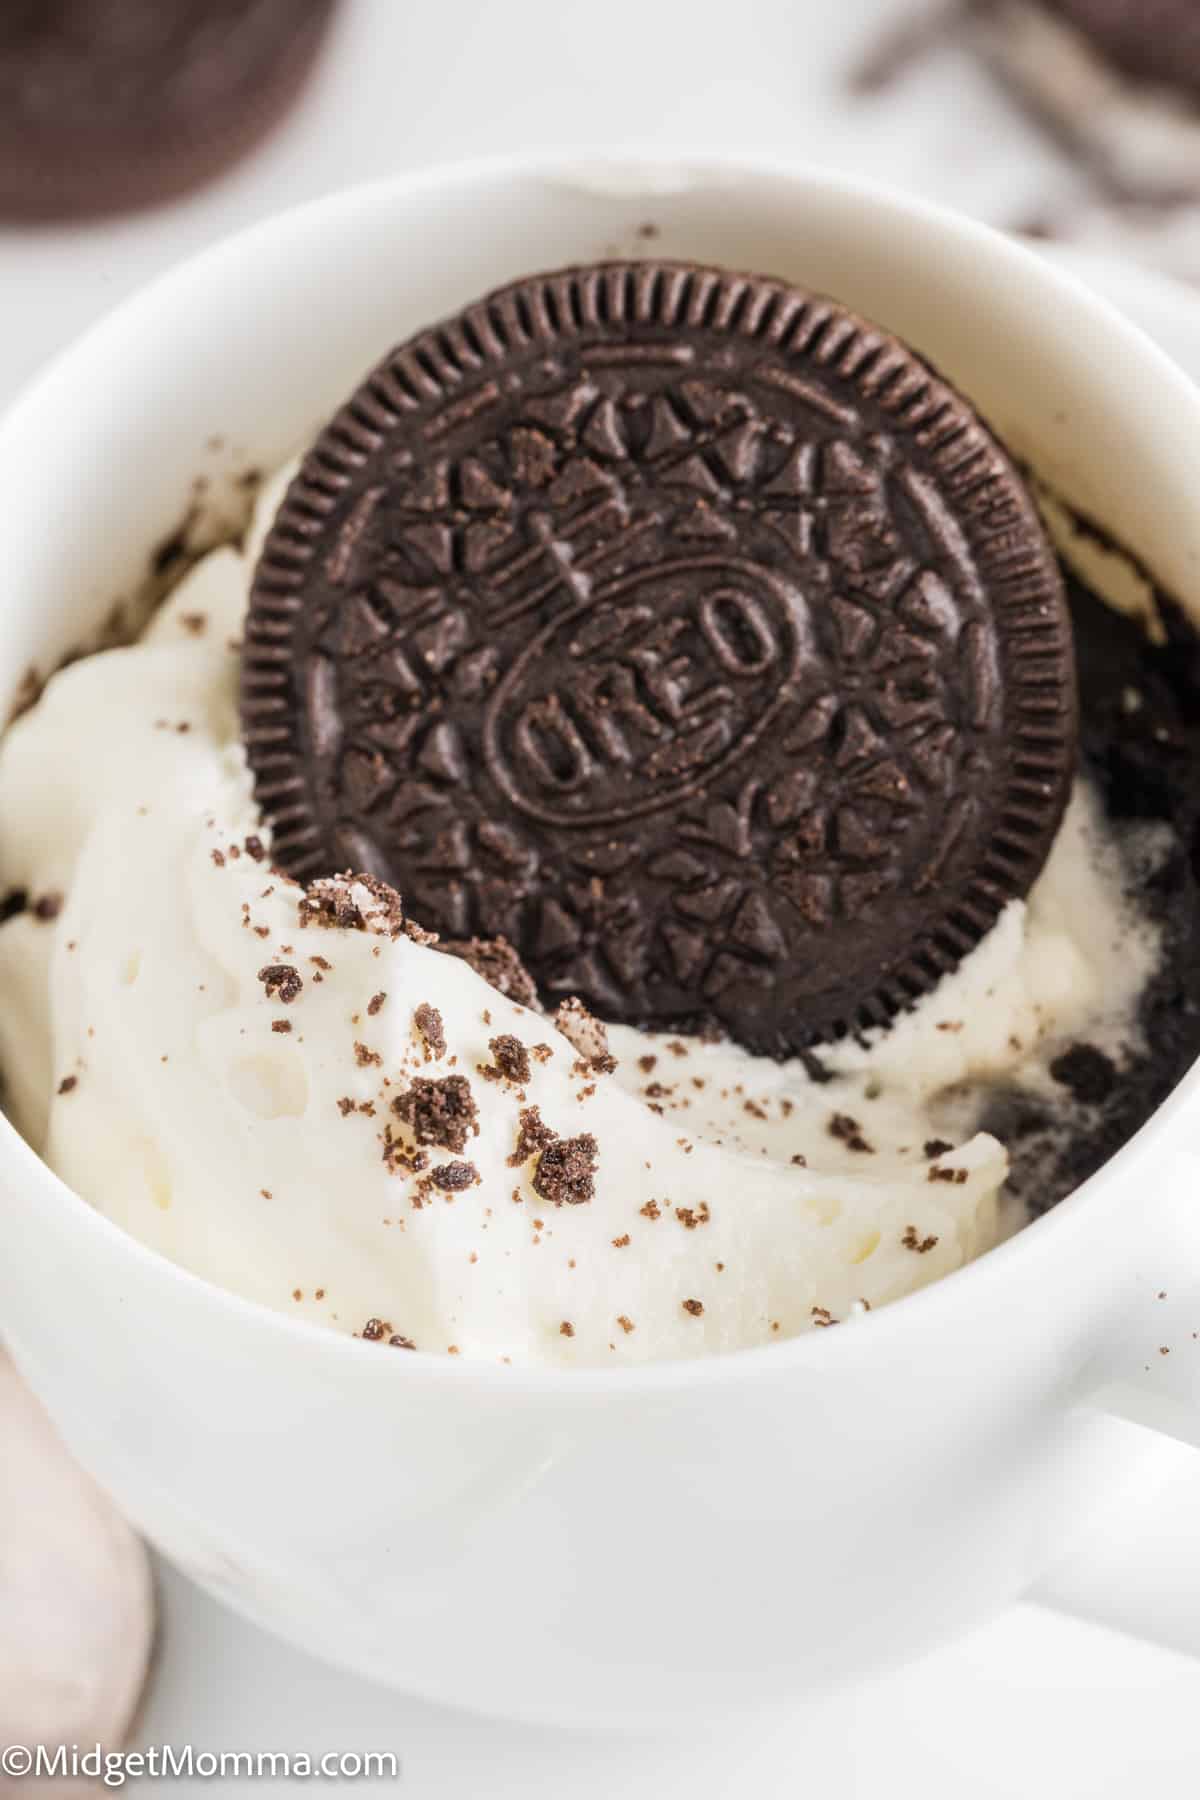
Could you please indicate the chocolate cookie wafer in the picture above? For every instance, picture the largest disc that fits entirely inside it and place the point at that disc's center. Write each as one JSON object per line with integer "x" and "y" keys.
{"x": 110, "y": 105}
{"x": 1155, "y": 41}
{"x": 681, "y": 628}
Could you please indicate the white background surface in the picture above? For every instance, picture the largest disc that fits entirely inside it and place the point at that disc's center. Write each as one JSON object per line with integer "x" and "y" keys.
{"x": 1039, "y": 1704}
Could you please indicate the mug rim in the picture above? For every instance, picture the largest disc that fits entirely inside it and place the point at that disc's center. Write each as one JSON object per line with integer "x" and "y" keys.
{"x": 809, "y": 1350}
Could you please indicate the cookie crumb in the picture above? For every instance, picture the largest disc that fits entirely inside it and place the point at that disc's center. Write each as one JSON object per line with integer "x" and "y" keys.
{"x": 586, "y": 1034}
{"x": 848, "y": 1131}
{"x": 440, "y": 1111}
{"x": 1088, "y": 1074}
{"x": 281, "y": 981}
{"x": 499, "y": 965}
{"x": 510, "y": 1060}
{"x": 566, "y": 1171}
{"x": 533, "y": 1134}
{"x": 428, "y": 1021}
{"x": 939, "y": 1172}
{"x": 452, "y": 1177}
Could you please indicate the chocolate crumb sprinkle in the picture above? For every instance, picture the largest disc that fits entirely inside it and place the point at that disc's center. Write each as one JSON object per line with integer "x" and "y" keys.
{"x": 498, "y": 963}
{"x": 281, "y": 1025}
{"x": 566, "y": 1171}
{"x": 848, "y": 1131}
{"x": 566, "y": 1329}
{"x": 428, "y": 1021}
{"x": 282, "y": 982}
{"x": 510, "y": 1060}
{"x": 47, "y": 907}
{"x": 375, "y": 1003}
{"x": 533, "y": 1134}
{"x": 695, "y": 1307}
{"x": 452, "y": 1177}
{"x": 1086, "y": 1072}
{"x": 935, "y": 1147}
{"x": 911, "y": 1241}
{"x": 68, "y": 1084}
{"x": 439, "y": 1111}
{"x": 14, "y": 902}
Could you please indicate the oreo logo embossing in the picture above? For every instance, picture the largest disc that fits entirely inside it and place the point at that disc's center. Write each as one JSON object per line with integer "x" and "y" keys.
{"x": 629, "y": 702}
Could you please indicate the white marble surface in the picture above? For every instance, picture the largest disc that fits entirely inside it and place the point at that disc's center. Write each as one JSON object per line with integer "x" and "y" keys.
{"x": 1040, "y": 1704}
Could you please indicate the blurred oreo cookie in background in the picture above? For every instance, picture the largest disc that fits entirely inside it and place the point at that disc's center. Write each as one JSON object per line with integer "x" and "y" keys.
{"x": 1114, "y": 83}
{"x": 109, "y": 106}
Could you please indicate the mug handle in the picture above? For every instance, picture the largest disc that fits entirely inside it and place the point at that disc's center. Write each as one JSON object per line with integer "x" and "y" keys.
{"x": 1138, "y": 1570}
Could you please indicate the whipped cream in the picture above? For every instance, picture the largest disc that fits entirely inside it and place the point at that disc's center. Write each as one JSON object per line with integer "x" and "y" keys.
{"x": 208, "y": 1062}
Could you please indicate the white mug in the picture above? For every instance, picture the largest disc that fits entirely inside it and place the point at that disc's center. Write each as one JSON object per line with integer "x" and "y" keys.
{"x": 653, "y": 1543}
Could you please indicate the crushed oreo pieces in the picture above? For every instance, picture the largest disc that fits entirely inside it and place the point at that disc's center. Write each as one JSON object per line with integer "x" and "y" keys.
{"x": 566, "y": 1171}
{"x": 282, "y": 982}
{"x": 452, "y": 1177}
{"x": 357, "y": 903}
{"x": 585, "y": 1034}
{"x": 510, "y": 1060}
{"x": 533, "y": 1134}
{"x": 441, "y": 1111}
{"x": 848, "y": 1131}
{"x": 428, "y": 1021}
{"x": 498, "y": 963}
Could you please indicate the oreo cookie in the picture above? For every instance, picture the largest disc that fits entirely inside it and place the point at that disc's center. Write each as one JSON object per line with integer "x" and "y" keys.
{"x": 1154, "y": 41}
{"x": 111, "y": 105}
{"x": 684, "y": 630}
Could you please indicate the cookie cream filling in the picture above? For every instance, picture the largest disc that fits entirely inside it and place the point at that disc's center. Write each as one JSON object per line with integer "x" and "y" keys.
{"x": 307, "y": 1105}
